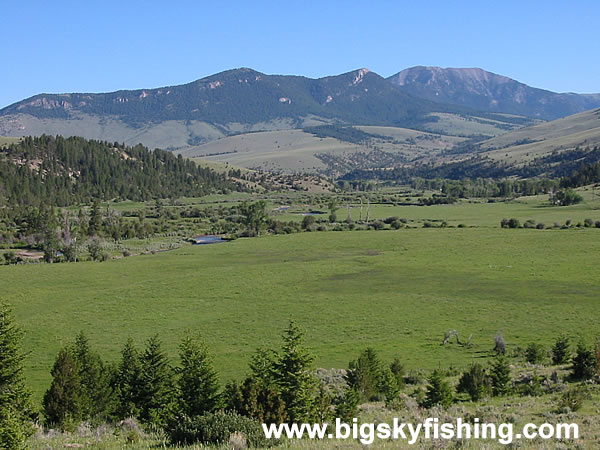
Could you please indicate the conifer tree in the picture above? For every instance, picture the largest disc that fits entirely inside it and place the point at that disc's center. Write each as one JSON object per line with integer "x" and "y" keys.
{"x": 294, "y": 376}
{"x": 439, "y": 391}
{"x": 62, "y": 401}
{"x": 197, "y": 379}
{"x": 15, "y": 407}
{"x": 129, "y": 381}
{"x": 500, "y": 376}
{"x": 97, "y": 396}
{"x": 156, "y": 384}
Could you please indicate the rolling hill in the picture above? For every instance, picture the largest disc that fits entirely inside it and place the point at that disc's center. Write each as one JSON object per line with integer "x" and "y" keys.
{"x": 562, "y": 135}
{"x": 486, "y": 91}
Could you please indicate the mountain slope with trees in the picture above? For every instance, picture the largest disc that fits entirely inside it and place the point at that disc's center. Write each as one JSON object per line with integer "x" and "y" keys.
{"x": 62, "y": 171}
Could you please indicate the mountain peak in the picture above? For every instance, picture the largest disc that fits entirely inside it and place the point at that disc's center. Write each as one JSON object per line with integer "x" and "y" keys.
{"x": 479, "y": 89}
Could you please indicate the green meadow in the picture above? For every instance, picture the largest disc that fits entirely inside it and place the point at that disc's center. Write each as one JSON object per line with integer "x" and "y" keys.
{"x": 397, "y": 291}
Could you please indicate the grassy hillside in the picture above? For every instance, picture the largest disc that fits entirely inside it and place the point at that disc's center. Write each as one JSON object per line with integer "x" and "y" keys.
{"x": 560, "y": 135}
{"x": 297, "y": 150}
{"x": 397, "y": 291}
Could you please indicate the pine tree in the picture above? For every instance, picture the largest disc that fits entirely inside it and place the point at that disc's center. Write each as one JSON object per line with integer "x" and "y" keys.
{"x": 62, "y": 401}
{"x": 366, "y": 375}
{"x": 560, "y": 351}
{"x": 97, "y": 396}
{"x": 129, "y": 381}
{"x": 156, "y": 384}
{"x": 439, "y": 391}
{"x": 500, "y": 376}
{"x": 15, "y": 407}
{"x": 197, "y": 379}
{"x": 294, "y": 376}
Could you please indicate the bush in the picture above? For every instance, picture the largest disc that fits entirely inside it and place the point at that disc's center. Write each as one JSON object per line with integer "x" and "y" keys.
{"x": 377, "y": 225}
{"x": 560, "y": 351}
{"x": 588, "y": 223}
{"x": 308, "y": 222}
{"x": 540, "y": 226}
{"x": 217, "y": 428}
{"x": 396, "y": 225}
{"x": 475, "y": 382}
{"x": 572, "y": 399}
{"x": 514, "y": 223}
{"x": 529, "y": 224}
{"x": 535, "y": 353}
{"x": 584, "y": 363}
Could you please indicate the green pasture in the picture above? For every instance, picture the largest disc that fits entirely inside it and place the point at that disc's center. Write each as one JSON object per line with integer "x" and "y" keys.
{"x": 397, "y": 291}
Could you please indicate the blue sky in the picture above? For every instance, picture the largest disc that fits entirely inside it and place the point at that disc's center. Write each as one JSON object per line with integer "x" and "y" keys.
{"x": 79, "y": 46}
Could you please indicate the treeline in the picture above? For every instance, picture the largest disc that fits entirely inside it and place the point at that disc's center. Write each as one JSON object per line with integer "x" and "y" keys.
{"x": 187, "y": 402}
{"x": 346, "y": 134}
{"x": 64, "y": 171}
{"x": 574, "y": 168}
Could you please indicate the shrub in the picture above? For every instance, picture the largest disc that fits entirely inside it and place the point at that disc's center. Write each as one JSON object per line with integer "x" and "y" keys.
{"x": 535, "y": 354}
{"x": 396, "y": 225}
{"x": 572, "y": 399}
{"x": 308, "y": 222}
{"x": 584, "y": 363}
{"x": 597, "y": 224}
{"x": 540, "y": 226}
{"x": 588, "y": 223}
{"x": 560, "y": 351}
{"x": 529, "y": 224}
{"x": 514, "y": 223}
{"x": 217, "y": 428}
{"x": 95, "y": 249}
{"x": 377, "y": 225}
{"x": 462, "y": 225}
{"x": 476, "y": 382}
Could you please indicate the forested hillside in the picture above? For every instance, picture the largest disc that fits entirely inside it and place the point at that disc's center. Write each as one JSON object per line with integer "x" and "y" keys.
{"x": 62, "y": 171}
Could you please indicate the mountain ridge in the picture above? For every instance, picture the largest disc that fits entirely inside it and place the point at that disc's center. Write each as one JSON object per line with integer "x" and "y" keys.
{"x": 487, "y": 91}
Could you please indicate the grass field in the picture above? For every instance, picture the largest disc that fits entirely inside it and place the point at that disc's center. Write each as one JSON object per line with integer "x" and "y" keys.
{"x": 397, "y": 291}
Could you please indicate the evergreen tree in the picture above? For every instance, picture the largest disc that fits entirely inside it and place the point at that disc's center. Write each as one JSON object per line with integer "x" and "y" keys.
{"x": 439, "y": 391}
{"x": 129, "y": 381}
{"x": 156, "y": 384}
{"x": 97, "y": 396}
{"x": 95, "y": 223}
{"x": 197, "y": 379}
{"x": 584, "y": 362}
{"x": 366, "y": 375}
{"x": 294, "y": 376}
{"x": 15, "y": 407}
{"x": 560, "y": 351}
{"x": 500, "y": 376}
{"x": 62, "y": 401}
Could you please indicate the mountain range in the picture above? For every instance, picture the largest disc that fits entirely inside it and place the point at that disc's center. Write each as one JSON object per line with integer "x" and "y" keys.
{"x": 253, "y": 119}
